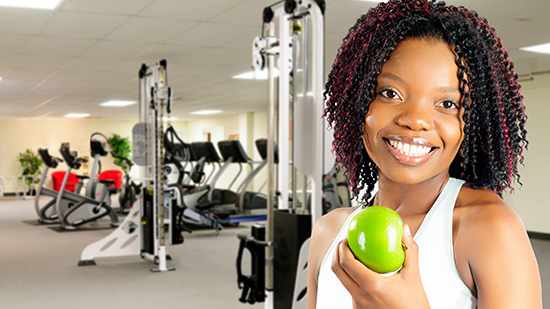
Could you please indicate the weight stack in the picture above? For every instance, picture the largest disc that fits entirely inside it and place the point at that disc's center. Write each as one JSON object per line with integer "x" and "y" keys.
{"x": 290, "y": 232}
{"x": 148, "y": 223}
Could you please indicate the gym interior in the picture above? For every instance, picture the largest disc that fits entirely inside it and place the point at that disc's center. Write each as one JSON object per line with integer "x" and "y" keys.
{"x": 141, "y": 141}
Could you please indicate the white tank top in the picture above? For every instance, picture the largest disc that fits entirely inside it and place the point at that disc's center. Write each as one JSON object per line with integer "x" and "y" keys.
{"x": 440, "y": 278}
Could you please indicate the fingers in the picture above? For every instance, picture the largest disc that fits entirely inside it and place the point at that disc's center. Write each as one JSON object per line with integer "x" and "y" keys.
{"x": 359, "y": 273}
{"x": 411, "y": 250}
{"x": 341, "y": 273}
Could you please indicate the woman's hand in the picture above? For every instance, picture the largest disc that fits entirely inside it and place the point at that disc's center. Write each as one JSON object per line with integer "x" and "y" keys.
{"x": 370, "y": 290}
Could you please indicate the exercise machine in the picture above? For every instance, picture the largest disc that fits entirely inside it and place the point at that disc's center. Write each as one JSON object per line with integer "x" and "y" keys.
{"x": 47, "y": 212}
{"x": 75, "y": 210}
{"x": 150, "y": 227}
{"x": 246, "y": 201}
{"x": 291, "y": 50}
{"x": 176, "y": 152}
{"x": 130, "y": 189}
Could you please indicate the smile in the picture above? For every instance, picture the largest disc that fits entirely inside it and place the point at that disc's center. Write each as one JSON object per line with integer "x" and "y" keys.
{"x": 410, "y": 153}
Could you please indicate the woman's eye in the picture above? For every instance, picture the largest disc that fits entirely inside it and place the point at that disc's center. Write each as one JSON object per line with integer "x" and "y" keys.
{"x": 448, "y": 104}
{"x": 389, "y": 93}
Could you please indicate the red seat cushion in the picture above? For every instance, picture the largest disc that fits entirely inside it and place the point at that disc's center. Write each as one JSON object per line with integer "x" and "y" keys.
{"x": 115, "y": 175}
{"x": 57, "y": 180}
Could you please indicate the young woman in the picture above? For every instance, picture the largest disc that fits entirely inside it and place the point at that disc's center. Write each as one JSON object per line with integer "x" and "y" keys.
{"x": 424, "y": 100}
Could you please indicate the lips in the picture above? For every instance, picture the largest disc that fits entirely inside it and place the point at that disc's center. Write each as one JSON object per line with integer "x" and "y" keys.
{"x": 411, "y": 151}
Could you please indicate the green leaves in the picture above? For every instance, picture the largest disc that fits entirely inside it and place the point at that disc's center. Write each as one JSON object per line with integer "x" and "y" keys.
{"x": 30, "y": 166}
{"x": 121, "y": 148}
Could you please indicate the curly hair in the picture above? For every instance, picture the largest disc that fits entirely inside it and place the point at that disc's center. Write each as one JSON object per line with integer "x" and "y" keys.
{"x": 495, "y": 137}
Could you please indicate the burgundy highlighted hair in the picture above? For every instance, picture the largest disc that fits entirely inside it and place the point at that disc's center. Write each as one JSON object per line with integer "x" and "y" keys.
{"x": 494, "y": 113}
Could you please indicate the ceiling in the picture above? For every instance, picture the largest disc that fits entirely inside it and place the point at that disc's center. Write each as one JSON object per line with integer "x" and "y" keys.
{"x": 89, "y": 51}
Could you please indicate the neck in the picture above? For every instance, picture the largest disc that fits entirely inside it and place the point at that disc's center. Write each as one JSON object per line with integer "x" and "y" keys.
{"x": 409, "y": 199}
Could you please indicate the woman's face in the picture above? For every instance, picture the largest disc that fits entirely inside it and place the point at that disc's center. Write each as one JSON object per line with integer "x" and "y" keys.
{"x": 414, "y": 128}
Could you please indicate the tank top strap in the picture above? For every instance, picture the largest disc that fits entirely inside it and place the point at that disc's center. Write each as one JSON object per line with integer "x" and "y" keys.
{"x": 441, "y": 205}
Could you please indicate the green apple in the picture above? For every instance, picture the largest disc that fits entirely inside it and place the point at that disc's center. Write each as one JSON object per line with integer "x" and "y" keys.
{"x": 374, "y": 237}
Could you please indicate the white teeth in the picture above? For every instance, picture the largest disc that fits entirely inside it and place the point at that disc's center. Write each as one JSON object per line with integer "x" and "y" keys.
{"x": 410, "y": 149}
{"x": 415, "y": 150}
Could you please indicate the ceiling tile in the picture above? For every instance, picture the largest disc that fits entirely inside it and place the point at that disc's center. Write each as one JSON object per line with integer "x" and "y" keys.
{"x": 118, "y": 7}
{"x": 203, "y": 10}
{"x": 81, "y": 25}
{"x": 152, "y": 30}
{"x": 21, "y": 21}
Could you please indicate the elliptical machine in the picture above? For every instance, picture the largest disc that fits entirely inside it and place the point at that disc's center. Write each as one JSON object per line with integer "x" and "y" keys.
{"x": 47, "y": 213}
{"x": 178, "y": 151}
{"x": 75, "y": 210}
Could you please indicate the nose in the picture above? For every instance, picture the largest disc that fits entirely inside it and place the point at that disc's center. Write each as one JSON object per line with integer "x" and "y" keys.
{"x": 415, "y": 116}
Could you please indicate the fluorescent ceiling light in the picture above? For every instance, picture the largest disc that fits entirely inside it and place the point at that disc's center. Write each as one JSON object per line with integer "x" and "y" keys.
{"x": 32, "y": 4}
{"x": 77, "y": 115}
{"x": 207, "y": 112}
{"x": 541, "y": 48}
{"x": 117, "y": 103}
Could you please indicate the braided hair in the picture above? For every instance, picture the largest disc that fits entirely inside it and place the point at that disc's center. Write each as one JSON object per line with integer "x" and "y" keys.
{"x": 495, "y": 137}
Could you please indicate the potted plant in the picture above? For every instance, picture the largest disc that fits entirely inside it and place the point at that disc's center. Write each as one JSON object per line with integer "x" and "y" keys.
{"x": 121, "y": 148}
{"x": 30, "y": 169}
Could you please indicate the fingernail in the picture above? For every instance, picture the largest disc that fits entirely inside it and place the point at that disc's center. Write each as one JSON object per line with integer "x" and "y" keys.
{"x": 407, "y": 230}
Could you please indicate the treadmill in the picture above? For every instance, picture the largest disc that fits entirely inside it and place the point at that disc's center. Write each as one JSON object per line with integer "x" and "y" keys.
{"x": 232, "y": 151}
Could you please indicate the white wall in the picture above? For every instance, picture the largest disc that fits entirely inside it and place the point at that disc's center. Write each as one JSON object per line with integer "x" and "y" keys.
{"x": 221, "y": 128}
{"x": 531, "y": 201}
{"x": 18, "y": 134}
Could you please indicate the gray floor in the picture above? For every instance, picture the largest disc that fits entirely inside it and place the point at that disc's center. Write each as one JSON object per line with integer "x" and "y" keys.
{"x": 38, "y": 270}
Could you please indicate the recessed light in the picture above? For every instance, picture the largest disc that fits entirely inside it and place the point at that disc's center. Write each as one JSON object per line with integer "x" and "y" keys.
{"x": 77, "y": 115}
{"x": 1, "y": 78}
{"x": 207, "y": 112}
{"x": 541, "y": 48}
{"x": 32, "y": 4}
{"x": 117, "y": 103}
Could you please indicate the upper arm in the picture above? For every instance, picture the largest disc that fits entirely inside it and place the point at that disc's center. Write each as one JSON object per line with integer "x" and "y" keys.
{"x": 502, "y": 260}
{"x": 313, "y": 261}
{"x": 324, "y": 231}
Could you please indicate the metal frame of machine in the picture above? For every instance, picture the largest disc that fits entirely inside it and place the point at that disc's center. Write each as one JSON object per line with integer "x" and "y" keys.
{"x": 291, "y": 49}
{"x": 149, "y": 229}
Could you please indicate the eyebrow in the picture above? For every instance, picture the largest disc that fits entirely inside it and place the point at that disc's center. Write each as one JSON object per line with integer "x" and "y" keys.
{"x": 400, "y": 80}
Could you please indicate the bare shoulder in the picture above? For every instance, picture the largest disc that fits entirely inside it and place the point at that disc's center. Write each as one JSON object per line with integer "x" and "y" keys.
{"x": 485, "y": 218}
{"x": 331, "y": 223}
{"x": 498, "y": 251}
{"x": 484, "y": 211}
{"x": 324, "y": 232}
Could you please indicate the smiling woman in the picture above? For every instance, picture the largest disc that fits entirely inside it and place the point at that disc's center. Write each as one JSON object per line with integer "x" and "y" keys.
{"x": 413, "y": 128}
{"x": 425, "y": 102}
